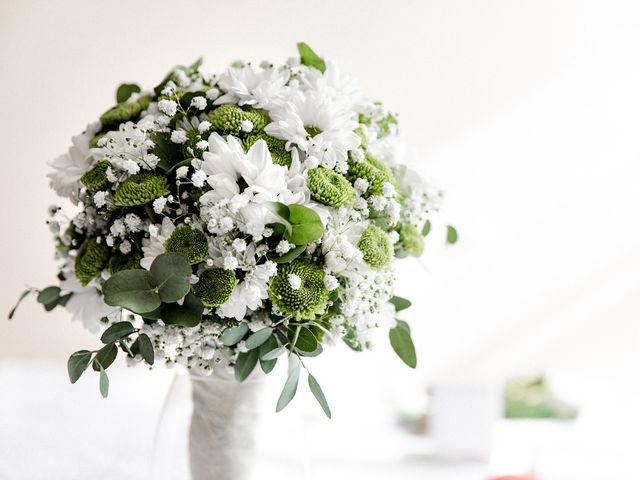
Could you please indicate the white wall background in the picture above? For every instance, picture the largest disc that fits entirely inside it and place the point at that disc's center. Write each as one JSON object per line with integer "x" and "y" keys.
{"x": 526, "y": 112}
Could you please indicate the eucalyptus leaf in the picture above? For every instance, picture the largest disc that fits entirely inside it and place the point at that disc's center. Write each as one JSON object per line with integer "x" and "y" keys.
{"x": 125, "y": 90}
{"x": 267, "y": 364}
{"x": 133, "y": 290}
{"x": 171, "y": 273}
{"x": 273, "y": 354}
{"x": 306, "y": 341}
{"x": 233, "y": 335}
{"x": 77, "y": 364}
{"x": 400, "y": 303}
{"x": 104, "y": 383}
{"x": 189, "y": 314}
{"x": 245, "y": 364}
{"x": 258, "y": 338}
{"x": 400, "y": 338}
{"x": 452, "y": 235}
{"x": 22, "y": 297}
{"x": 153, "y": 314}
{"x": 427, "y": 228}
{"x": 116, "y": 331}
{"x": 306, "y": 225}
{"x": 145, "y": 347}
{"x": 318, "y": 350}
{"x": 48, "y": 295}
{"x": 105, "y": 356}
{"x": 310, "y": 58}
{"x": 314, "y": 386}
{"x": 290, "y": 388}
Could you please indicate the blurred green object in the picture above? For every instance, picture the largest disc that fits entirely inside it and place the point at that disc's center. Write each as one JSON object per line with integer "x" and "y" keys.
{"x": 531, "y": 397}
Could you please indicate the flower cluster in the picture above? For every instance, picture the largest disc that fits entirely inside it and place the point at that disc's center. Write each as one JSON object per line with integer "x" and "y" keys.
{"x": 239, "y": 216}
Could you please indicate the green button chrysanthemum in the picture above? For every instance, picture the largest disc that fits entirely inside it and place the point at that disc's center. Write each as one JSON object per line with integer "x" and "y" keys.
{"x": 329, "y": 187}
{"x": 411, "y": 240}
{"x": 309, "y": 299}
{"x": 91, "y": 260}
{"x": 93, "y": 143}
{"x": 124, "y": 262}
{"x": 373, "y": 171}
{"x": 124, "y": 111}
{"x": 96, "y": 178}
{"x": 228, "y": 118}
{"x": 140, "y": 189}
{"x": 376, "y": 247}
{"x": 190, "y": 242}
{"x": 279, "y": 154}
{"x": 215, "y": 286}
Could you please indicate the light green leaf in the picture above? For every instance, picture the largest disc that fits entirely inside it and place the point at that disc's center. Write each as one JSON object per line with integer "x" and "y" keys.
{"x": 77, "y": 364}
{"x": 400, "y": 303}
{"x": 188, "y": 314}
{"x": 125, "y": 91}
{"x": 273, "y": 354}
{"x": 314, "y": 386}
{"x": 427, "y": 228}
{"x": 116, "y": 331}
{"x": 306, "y": 225}
{"x": 233, "y": 335}
{"x": 258, "y": 338}
{"x": 400, "y": 337}
{"x": 452, "y": 235}
{"x": 22, "y": 297}
{"x": 145, "y": 347}
{"x": 310, "y": 58}
{"x": 290, "y": 388}
{"x": 245, "y": 364}
{"x": 131, "y": 289}
{"x": 105, "y": 356}
{"x": 104, "y": 383}
{"x": 171, "y": 272}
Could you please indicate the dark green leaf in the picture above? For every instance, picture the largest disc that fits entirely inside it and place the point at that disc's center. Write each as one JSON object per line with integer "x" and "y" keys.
{"x": 400, "y": 338}
{"x": 104, "y": 383}
{"x": 145, "y": 347}
{"x": 153, "y": 314}
{"x": 62, "y": 301}
{"x": 314, "y": 353}
{"x": 427, "y": 228}
{"x": 289, "y": 256}
{"x": 195, "y": 65}
{"x": 351, "y": 339}
{"x": 168, "y": 152}
{"x": 306, "y": 341}
{"x": 310, "y": 58}
{"x": 22, "y": 297}
{"x": 452, "y": 235}
{"x": 400, "y": 303}
{"x": 188, "y": 314}
{"x": 48, "y": 295}
{"x": 77, "y": 364}
{"x": 290, "y": 388}
{"x": 273, "y": 354}
{"x": 267, "y": 364}
{"x": 314, "y": 386}
{"x": 133, "y": 290}
{"x": 233, "y": 335}
{"x": 245, "y": 364}
{"x": 126, "y": 348}
{"x": 125, "y": 91}
{"x": 105, "y": 356}
{"x": 171, "y": 273}
{"x": 258, "y": 338}
{"x": 116, "y": 331}
{"x": 306, "y": 225}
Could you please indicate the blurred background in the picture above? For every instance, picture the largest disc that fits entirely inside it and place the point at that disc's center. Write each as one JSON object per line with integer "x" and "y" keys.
{"x": 526, "y": 113}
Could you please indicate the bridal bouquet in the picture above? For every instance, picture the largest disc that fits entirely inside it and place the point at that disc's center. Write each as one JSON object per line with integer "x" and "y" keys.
{"x": 227, "y": 220}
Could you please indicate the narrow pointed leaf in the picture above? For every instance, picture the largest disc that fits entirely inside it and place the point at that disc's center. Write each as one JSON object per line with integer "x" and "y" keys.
{"x": 400, "y": 303}
{"x": 269, "y": 346}
{"x": 310, "y": 58}
{"x": 116, "y": 331}
{"x": 400, "y": 338}
{"x": 258, "y": 338}
{"x": 245, "y": 364}
{"x": 290, "y": 388}
{"x": 15, "y": 307}
{"x": 314, "y": 386}
{"x": 104, "y": 383}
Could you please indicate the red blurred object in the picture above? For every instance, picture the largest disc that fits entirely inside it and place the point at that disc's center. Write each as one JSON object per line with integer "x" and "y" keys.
{"x": 515, "y": 477}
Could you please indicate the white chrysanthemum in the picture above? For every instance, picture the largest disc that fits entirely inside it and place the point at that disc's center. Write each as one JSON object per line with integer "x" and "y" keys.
{"x": 334, "y": 84}
{"x": 86, "y": 304}
{"x": 69, "y": 167}
{"x": 249, "y": 294}
{"x": 154, "y": 245}
{"x": 260, "y": 88}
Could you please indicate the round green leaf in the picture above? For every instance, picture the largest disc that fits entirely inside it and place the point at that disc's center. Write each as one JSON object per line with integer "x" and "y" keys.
{"x": 400, "y": 303}
{"x": 258, "y": 338}
{"x": 116, "y": 331}
{"x": 306, "y": 225}
{"x": 145, "y": 347}
{"x": 125, "y": 91}
{"x": 233, "y": 335}
{"x": 188, "y": 314}
{"x": 452, "y": 235}
{"x": 105, "y": 357}
{"x": 171, "y": 273}
{"x": 131, "y": 289}
{"x": 48, "y": 295}
{"x": 77, "y": 364}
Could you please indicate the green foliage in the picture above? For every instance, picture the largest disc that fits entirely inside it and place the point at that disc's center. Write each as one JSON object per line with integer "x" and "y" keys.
{"x": 233, "y": 335}
{"x": 266, "y": 362}
{"x": 117, "y": 331}
{"x": 329, "y": 187}
{"x": 411, "y": 241}
{"x": 400, "y": 338}
{"x": 227, "y": 119}
{"x": 215, "y": 286}
{"x": 132, "y": 289}
{"x": 104, "y": 383}
{"x": 310, "y": 58}
{"x": 290, "y": 387}
{"x": 144, "y": 346}
{"x": 77, "y": 364}
{"x": 91, "y": 260}
{"x": 105, "y": 357}
{"x": 307, "y": 301}
{"x": 376, "y": 247}
{"x": 305, "y": 340}
{"x": 245, "y": 364}
{"x": 427, "y": 228}
{"x": 171, "y": 274}
{"x": 190, "y": 242}
{"x": 140, "y": 189}
{"x": 188, "y": 314}
{"x": 258, "y": 338}
{"x": 400, "y": 303}
{"x": 125, "y": 90}
{"x": 452, "y": 235}
{"x": 96, "y": 178}
{"x": 302, "y": 225}
{"x": 124, "y": 111}
{"x": 22, "y": 296}
{"x": 48, "y": 295}
{"x": 314, "y": 386}
{"x": 168, "y": 152}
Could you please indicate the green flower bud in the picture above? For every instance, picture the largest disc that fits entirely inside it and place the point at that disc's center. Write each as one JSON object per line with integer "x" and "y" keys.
{"x": 227, "y": 119}
{"x": 96, "y": 178}
{"x": 279, "y": 154}
{"x": 376, "y": 247}
{"x": 140, "y": 189}
{"x": 124, "y": 111}
{"x": 215, "y": 286}
{"x": 329, "y": 187}
{"x": 190, "y": 242}
{"x": 91, "y": 260}
{"x": 411, "y": 240}
{"x": 309, "y": 299}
